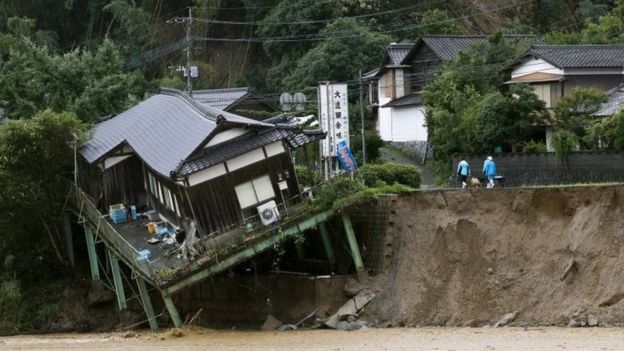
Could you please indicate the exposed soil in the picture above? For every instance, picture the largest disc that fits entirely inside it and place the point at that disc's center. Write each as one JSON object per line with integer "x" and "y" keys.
{"x": 443, "y": 339}
{"x": 467, "y": 257}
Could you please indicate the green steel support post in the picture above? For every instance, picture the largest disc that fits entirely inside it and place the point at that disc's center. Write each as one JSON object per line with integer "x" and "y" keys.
{"x": 147, "y": 304}
{"x": 95, "y": 271}
{"x": 299, "y": 248}
{"x": 329, "y": 250}
{"x": 69, "y": 240}
{"x": 119, "y": 289}
{"x": 353, "y": 245}
{"x": 173, "y": 312}
{"x": 250, "y": 251}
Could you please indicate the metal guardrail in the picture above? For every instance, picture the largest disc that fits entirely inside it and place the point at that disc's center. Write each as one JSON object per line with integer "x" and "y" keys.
{"x": 86, "y": 209}
{"x": 208, "y": 249}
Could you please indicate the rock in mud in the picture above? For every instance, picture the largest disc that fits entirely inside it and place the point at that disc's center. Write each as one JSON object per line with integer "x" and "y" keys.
{"x": 508, "y": 318}
{"x": 271, "y": 323}
{"x": 353, "y": 287}
{"x": 592, "y": 320}
{"x": 573, "y": 323}
{"x": 351, "y": 307}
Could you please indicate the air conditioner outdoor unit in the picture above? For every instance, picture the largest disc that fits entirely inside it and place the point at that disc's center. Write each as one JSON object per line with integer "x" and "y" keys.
{"x": 268, "y": 213}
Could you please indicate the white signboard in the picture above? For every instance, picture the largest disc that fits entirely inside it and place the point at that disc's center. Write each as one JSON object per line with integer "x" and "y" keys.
{"x": 334, "y": 116}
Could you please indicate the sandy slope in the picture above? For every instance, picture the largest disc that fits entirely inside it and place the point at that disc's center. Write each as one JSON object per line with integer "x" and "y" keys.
{"x": 470, "y": 256}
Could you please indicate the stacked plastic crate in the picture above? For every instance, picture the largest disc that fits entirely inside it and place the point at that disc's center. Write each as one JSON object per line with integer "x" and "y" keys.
{"x": 118, "y": 213}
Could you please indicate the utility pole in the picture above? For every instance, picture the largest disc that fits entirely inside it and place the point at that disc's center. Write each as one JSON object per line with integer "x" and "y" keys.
{"x": 362, "y": 118}
{"x": 189, "y": 46}
{"x": 188, "y": 21}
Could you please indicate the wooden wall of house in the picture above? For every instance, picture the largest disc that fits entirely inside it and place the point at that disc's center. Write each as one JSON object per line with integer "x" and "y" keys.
{"x": 215, "y": 203}
{"x": 424, "y": 62}
{"x": 123, "y": 183}
{"x": 601, "y": 82}
{"x": 157, "y": 201}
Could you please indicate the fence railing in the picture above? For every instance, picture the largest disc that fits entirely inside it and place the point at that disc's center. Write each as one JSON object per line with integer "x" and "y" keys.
{"x": 210, "y": 248}
{"x": 103, "y": 229}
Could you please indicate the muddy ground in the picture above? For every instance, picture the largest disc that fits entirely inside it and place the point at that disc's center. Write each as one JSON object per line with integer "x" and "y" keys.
{"x": 467, "y": 257}
{"x": 441, "y": 339}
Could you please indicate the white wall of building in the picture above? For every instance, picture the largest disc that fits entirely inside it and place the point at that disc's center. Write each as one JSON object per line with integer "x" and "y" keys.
{"x": 535, "y": 65}
{"x": 384, "y": 115}
{"x": 408, "y": 123}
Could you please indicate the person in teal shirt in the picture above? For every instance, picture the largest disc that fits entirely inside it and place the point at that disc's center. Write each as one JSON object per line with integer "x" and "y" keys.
{"x": 463, "y": 171}
{"x": 489, "y": 171}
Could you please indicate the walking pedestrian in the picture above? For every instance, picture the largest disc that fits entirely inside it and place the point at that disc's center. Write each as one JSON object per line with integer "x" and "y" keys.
{"x": 489, "y": 171}
{"x": 463, "y": 171}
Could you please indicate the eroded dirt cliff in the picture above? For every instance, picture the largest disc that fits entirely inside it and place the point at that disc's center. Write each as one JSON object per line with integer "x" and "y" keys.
{"x": 468, "y": 257}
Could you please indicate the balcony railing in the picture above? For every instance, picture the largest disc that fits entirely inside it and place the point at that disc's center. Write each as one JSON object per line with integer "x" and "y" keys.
{"x": 87, "y": 211}
{"x": 206, "y": 250}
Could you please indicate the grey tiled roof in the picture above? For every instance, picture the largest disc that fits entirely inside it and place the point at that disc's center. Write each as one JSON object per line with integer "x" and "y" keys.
{"x": 244, "y": 143}
{"x": 407, "y": 100}
{"x": 396, "y": 53}
{"x": 580, "y": 56}
{"x": 614, "y": 103}
{"x": 220, "y": 98}
{"x": 162, "y": 130}
{"x": 447, "y": 47}
{"x": 370, "y": 74}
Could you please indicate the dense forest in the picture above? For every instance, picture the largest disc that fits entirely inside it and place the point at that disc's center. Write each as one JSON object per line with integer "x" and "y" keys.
{"x": 270, "y": 45}
{"x": 66, "y": 63}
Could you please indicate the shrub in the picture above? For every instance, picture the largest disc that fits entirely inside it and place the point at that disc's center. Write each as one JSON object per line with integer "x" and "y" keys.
{"x": 305, "y": 176}
{"x": 564, "y": 142}
{"x": 533, "y": 147}
{"x": 390, "y": 173}
{"x": 336, "y": 188}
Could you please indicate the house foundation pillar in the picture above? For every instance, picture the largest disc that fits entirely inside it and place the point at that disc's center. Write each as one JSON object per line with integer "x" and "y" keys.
{"x": 147, "y": 304}
{"x": 173, "y": 311}
{"x": 353, "y": 244}
{"x": 329, "y": 250}
{"x": 119, "y": 289}
{"x": 90, "y": 238}
{"x": 69, "y": 239}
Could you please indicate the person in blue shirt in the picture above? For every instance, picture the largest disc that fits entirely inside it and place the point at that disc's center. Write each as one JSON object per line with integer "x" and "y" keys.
{"x": 463, "y": 171}
{"x": 489, "y": 171}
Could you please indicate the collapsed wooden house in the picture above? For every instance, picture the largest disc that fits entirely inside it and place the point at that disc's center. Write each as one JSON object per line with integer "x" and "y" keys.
{"x": 191, "y": 161}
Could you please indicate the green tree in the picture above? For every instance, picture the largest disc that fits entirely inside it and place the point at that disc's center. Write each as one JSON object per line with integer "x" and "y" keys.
{"x": 32, "y": 78}
{"x": 347, "y": 49}
{"x": 35, "y": 162}
{"x": 289, "y": 25}
{"x": 574, "y": 112}
{"x": 463, "y": 102}
{"x": 438, "y": 21}
{"x": 607, "y": 132}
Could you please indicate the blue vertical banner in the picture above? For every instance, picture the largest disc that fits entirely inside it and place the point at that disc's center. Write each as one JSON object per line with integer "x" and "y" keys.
{"x": 345, "y": 157}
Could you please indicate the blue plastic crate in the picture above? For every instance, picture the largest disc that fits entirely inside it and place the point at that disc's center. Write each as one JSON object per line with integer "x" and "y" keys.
{"x": 144, "y": 255}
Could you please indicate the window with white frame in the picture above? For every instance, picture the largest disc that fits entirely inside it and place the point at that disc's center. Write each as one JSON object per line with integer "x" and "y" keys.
{"x": 164, "y": 195}
{"x": 255, "y": 191}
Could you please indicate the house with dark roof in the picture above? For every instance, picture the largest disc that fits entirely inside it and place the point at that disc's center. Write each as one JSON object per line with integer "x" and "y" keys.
{"x": 555, "y": 70}
{"x": 242, "y": 101}
{"x": 395, "y": 86}
{"x": 191, "y": 162}
{"x": 614, "y": 103}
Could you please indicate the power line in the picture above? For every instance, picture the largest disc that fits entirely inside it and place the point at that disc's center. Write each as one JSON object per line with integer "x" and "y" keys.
{"x": 317, "y": 37}
{"x": 257, "y": 23}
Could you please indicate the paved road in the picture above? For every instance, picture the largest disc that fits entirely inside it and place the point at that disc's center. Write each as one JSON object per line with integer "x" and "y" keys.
{"x": 391, "y": 154}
